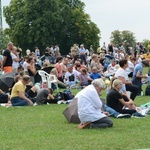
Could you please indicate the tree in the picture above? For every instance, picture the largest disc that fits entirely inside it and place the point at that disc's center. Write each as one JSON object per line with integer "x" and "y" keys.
{"x": 128, "y": 37}
{"x": 146, "y": 43}
{"x": 44, "y": 23}
{"x": 119, "y": 37}
{"x": 116, "y": 37}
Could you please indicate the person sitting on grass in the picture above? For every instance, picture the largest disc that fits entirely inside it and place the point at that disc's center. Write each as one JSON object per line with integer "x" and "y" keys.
{"x": 18, "y": 97}
{"x": 45, "y": 96}
{"x": 83, "y": 78}
{"x": 32, "y": 92}
{"x": 89, "y": 106}
{"x": 94, "y": 74}
{"x": 70, "y": 76}
{"x": 4, "y": 98}
{"x": 123, "y": 76}
{"x": 115, "y": 100}
{"x": 60, "y": 84}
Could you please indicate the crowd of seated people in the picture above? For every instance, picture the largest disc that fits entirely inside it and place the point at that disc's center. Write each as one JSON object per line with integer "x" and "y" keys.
{"x": 73, "y": 71}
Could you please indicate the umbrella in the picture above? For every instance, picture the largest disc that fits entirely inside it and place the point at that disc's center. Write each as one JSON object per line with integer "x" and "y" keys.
{"x": 71, "y": 112}
{"x": 6, "y": 81}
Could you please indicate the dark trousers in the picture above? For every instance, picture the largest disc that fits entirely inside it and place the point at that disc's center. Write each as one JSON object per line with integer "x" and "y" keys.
{"x": 54, "y": 101}
{"x": 3, "y": 98}
{"x": 83, "y": 58}
{"x": 137, "y": 81}
{"x": 130, "y": 75}
{"x": 128, "y": 111}
{"x": 102, "y": 123}
{"x": 133, "y": 89}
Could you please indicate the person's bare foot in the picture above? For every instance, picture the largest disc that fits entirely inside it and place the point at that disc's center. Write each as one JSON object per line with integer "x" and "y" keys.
{"x": 8, "y": 105}
{"x": 9, "y": 102}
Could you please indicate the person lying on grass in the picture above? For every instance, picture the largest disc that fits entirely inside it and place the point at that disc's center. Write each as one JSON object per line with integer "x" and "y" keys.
{"x": 90, "y": 104}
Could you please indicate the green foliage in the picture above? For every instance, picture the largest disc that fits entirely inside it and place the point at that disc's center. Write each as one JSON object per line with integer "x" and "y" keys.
{"x": 45, "y": 23}
{"x": 146, "y": 43}
{"x": 119, "y": 37}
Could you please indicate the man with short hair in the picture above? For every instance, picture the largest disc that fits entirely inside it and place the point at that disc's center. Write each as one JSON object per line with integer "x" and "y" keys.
{"x": 7, "y": 59}
{"x": 18, "y": 97}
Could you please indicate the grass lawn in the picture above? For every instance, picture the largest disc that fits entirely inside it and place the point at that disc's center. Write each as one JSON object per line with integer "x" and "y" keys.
{"x": 45, "y": 128}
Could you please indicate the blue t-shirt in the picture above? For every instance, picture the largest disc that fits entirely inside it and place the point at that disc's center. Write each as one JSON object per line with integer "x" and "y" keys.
{"x": 138, "y": 67}
{"x": 95, "y": 75}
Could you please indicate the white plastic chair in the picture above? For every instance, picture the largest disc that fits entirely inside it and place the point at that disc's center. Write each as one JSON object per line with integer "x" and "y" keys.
{"x": 44, "y": 75}
{"x": 52, "y": 79}
{"x": 48, "y": 79}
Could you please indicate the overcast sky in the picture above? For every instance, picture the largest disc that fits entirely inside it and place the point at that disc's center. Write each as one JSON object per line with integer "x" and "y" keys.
{"x": 110, "y": 15}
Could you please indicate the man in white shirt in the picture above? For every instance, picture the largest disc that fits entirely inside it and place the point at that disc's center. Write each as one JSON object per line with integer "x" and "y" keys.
{"x": 89, "y": 105}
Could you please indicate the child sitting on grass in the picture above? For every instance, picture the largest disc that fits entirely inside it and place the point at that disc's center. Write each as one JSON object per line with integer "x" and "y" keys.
{"x": 83, "y": 78}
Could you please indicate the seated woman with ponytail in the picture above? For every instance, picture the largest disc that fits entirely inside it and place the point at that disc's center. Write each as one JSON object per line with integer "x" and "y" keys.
{"x": 116, "y": 101}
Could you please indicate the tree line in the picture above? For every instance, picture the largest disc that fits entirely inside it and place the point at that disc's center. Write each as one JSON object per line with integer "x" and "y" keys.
{"x": 44, "y": 23}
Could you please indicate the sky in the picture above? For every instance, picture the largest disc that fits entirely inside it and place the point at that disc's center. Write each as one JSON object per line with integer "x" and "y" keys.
{"x": 110, "y": 15}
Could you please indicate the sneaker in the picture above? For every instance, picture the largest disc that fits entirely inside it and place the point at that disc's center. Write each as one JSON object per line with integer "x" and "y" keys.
{"x": 138, "y": 115}
{"x": 147, "y": 112}
{"x": 124, "y": 116}
{"x": 61, "y": 102}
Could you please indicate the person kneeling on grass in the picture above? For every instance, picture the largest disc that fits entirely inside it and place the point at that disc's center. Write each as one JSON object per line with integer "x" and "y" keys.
{"x": 18, "y": 97}
{"x": 90, "y": 104}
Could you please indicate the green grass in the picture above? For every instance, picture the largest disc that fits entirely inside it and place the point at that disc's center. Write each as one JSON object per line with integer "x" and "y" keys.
{"x": 45, "y": 128}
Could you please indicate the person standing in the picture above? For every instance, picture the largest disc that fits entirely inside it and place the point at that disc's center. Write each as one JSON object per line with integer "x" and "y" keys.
{"x": 31, "y": 68}
{"x": 37, "y": 52}
{"x": 7, "y": 59}
{"x": 15, "y": 58}
{"x": 82, "y": 53}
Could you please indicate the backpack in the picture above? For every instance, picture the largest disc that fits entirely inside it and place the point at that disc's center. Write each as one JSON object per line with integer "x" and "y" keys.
{"x": 147, "y": 90}
{"x": 59, "y": 96}
{"x": 65, "y": 95}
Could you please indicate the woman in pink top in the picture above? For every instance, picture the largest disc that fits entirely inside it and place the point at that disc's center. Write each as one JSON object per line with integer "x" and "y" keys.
{"x": 59, "y": 68}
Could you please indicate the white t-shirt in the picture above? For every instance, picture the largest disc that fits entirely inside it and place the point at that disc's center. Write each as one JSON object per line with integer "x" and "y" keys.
{"x": 121, "y": 72}
{"x": 71, "y": 77}
{"x": 15, "y": 64}
{"x": 130, "y": 66}
{"x": 89, "y": 105}
{"x": 111, "y": 68}
{"x": 25, "y": 64}
{"x": 28, "y": 52}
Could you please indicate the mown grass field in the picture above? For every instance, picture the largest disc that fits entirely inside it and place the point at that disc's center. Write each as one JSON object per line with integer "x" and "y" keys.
{"x": 45, "y": 128}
